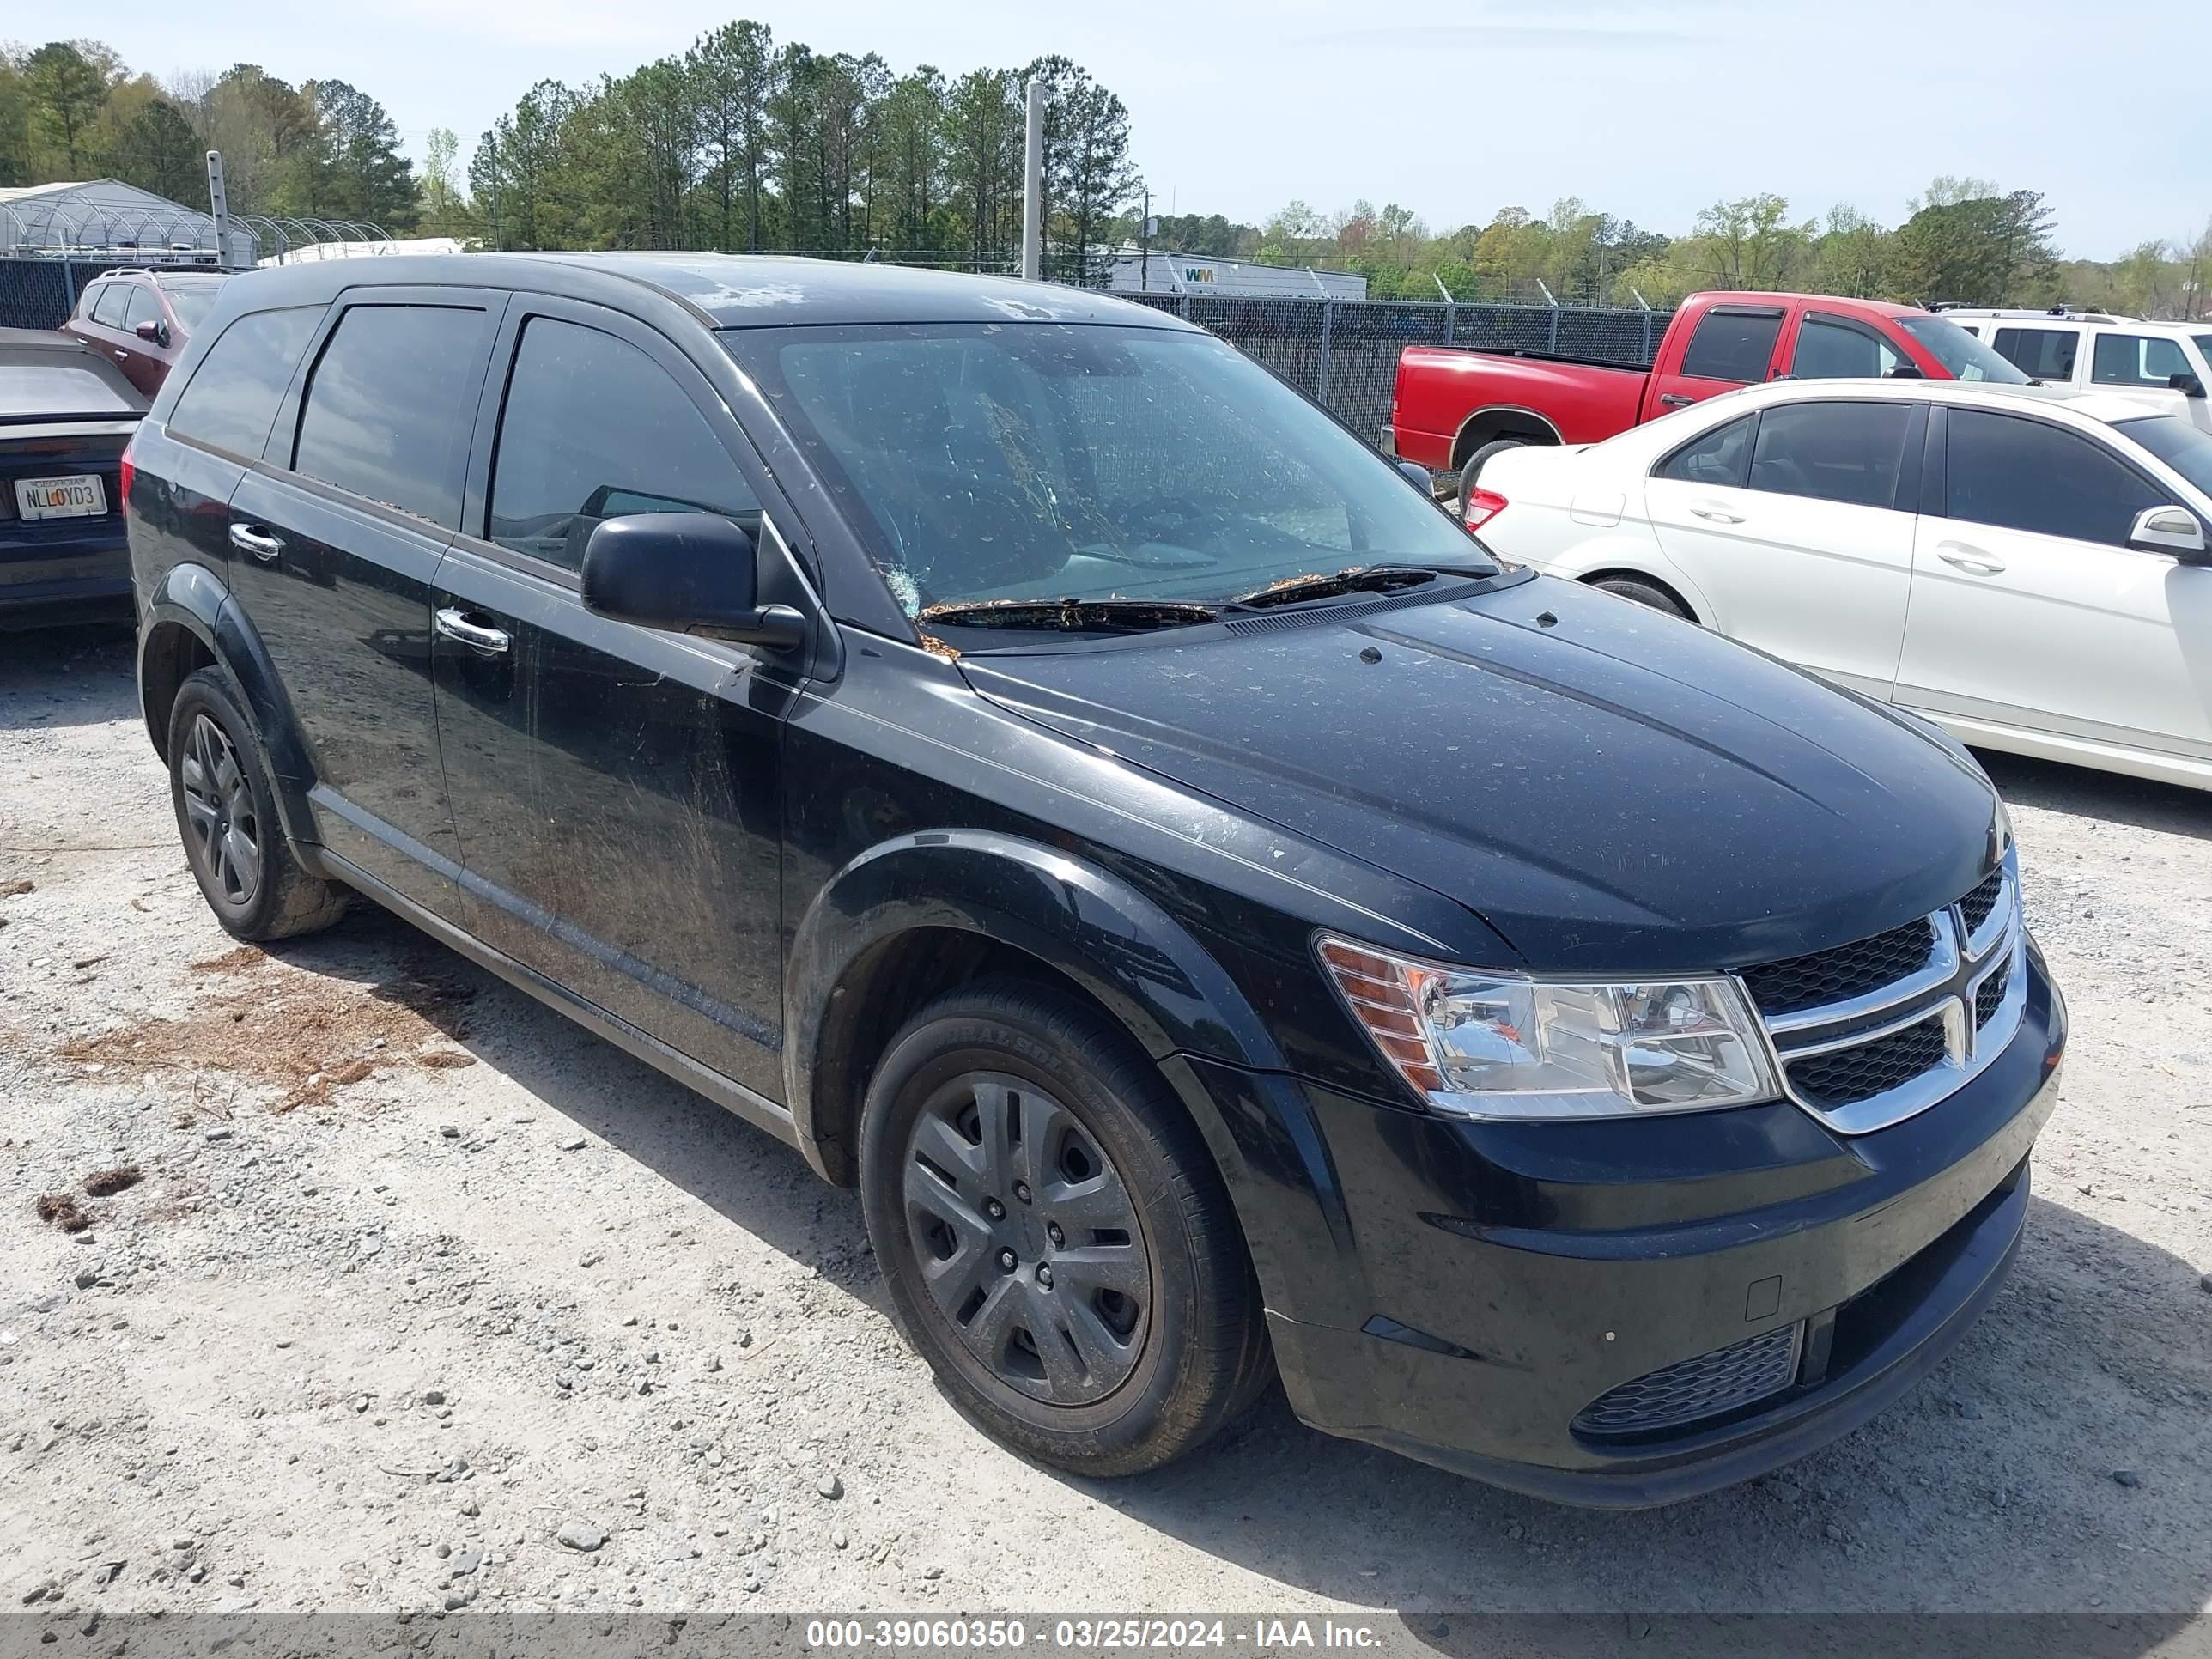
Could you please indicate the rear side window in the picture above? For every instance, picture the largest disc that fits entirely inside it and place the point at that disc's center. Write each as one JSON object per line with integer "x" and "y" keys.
{"x": 594, "y": 428}
{"x": 1720, "y": 460}
{"x": 88, "y": 302}
{"x": 235, "y": 391}
{"x": 389, "y": 407}
{"x": 1731, "y": 345}
{"x": 1839, "y": 452}
{"x": 2025, "y": 475}
{"x": 2046, "y": 353}
{"x": 1830, "y": 350}
{"x": 2135, "y": 359}
{"x": 107, "y": 310}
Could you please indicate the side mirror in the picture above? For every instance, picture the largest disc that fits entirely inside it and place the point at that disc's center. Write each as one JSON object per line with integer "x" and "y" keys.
{"x": 689, "y": 573}
{"x": 1906, "y": 371}
{"x": 2186, "y": 384}
{"x": 1418, "y": 475}
{"x": 2170, "y": 530}
{"x": 152, "y": 330}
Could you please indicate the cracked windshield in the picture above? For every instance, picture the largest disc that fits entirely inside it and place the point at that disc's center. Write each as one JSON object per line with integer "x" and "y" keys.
{"x": 1039, "y": 475}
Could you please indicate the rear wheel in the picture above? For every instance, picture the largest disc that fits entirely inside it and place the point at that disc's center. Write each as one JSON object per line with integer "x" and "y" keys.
{"x": 1469, "y": 473}
{"x": 227, "y": 813}
{"x": 1644, "y": 592}
{"x": 1054, "y": 1234}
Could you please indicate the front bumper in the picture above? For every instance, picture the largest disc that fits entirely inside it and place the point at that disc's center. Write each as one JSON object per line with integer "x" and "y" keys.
{"x": 1476, "y": 1287}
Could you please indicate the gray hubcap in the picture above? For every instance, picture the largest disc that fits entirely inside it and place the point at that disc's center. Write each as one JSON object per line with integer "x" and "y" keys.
{"x": 226, "y": 834}
{"x": 1028, "y": 1239}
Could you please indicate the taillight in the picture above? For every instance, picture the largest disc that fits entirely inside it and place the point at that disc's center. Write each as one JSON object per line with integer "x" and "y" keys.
{"x": 126, "y": 471}
{"x": 1480, "y": 507}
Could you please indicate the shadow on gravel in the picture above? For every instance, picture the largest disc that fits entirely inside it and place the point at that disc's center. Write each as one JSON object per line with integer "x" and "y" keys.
{"x": 2140, "y": 802}
{"x": 76, "y": 676}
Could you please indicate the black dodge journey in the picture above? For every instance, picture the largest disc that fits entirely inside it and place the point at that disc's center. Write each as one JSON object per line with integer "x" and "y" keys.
{"x": 1005, "y": 742}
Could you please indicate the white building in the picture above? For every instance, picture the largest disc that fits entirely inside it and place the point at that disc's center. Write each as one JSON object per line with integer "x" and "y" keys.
{"x": 1159, "y": 272}
{"x": 104, "y": 217}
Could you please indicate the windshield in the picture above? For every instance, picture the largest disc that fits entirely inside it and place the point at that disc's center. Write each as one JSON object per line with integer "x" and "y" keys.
{"x": 1050, "y": 461}
{"x": 2176, "y": 442}
{"x": 192, "y": 304}
{"x": 1965, "y": 357}
{"x": 2203, "y": 346}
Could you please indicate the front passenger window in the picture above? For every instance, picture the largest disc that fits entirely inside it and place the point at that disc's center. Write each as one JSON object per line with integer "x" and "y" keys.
{"x": 594, "y": 428}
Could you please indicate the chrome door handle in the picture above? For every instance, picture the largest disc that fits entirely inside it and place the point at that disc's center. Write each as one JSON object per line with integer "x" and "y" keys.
{"x": 259, "y": 543}
{"x": 1971, "y": 559}
{"x": 1717, "y": 515}
{"x": 492, "y": 642}
{"x": 122, "y": 357}
{"x": 1676, "y": 400}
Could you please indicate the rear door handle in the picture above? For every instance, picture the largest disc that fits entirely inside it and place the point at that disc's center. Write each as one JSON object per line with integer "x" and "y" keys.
{"x": 1970, "y": 559}
{"x": 1717, "y": 514}
{"x": 249, "y": 538}
{"x": 492, "y": 642}
{"x": 1676, "y": 400}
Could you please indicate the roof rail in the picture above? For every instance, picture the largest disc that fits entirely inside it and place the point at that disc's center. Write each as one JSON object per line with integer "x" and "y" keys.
{"x": 123, "y": 271}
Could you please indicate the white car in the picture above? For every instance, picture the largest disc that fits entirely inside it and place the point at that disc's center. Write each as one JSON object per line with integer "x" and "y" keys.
{"x": 2029, "y": 569}
{"x": 2166, "y": 365}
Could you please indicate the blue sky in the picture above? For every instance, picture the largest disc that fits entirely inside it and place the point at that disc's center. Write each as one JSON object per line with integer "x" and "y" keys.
{"x": 1646, "y": 111}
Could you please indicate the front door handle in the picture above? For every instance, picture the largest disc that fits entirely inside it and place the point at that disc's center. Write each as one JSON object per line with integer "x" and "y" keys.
{"x": 1676, "y": 400}
{"x": 1971, "y": 559}
{"x": 251, "y": 538}
{"x": 492, "y": 642}
{"x": 122, "y": 357}
{"x": 1717, "y": 514}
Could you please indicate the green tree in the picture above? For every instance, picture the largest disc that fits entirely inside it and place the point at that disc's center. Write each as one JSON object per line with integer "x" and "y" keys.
{"x": 983, "y": 142}
{"x": 64, "y": 90}
{"x": 352, "y": 167}
{"x": 913, "y": 130}
{"x": 1750, "y": 244}
{"x": 733, "y": 75}
{"x": 156, "y": 149}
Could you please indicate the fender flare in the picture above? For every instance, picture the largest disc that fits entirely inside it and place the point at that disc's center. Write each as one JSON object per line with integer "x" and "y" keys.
{"x": 1543, "y": 422}
{"x": 195, "y": 599}
{"x": 1126, "y": 952}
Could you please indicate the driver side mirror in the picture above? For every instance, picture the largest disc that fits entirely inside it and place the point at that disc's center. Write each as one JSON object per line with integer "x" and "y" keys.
{"x": 2170, "y": 530}
{"x": 2186, "y": 384}
{"x": 152, "y": 330}
{"x": 1418, "y": 475}
{"x": 1906, "y": 371}
{"x": 689, "y": 572}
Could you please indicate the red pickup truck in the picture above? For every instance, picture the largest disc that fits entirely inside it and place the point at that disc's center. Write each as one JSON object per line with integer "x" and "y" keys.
{"x": 1453, "y": 407}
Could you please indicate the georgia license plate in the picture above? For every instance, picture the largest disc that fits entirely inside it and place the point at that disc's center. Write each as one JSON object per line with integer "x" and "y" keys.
{"x": 80, "y": 496}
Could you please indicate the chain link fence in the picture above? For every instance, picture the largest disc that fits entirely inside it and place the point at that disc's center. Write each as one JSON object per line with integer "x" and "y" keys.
{"x": 1344, "y": 353}
{"x": 41, "y": 292}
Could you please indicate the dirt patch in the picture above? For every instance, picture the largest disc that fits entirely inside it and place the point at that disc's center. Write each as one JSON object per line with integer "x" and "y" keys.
{"x": 62, "y": 1211}
{"x": 14, "y": 889}
{"x": 106, "y": 1183}
{"x": 305, "y": 1033}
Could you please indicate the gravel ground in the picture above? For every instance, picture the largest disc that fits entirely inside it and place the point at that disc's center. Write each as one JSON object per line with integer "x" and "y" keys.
{"x": 394, "y": 1291}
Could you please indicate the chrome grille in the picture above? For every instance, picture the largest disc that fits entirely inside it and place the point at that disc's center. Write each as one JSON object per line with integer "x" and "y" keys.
{"x": 1871, "y": 1032}
{"x": 1849, "y": 970}
{"x": 1692, "y": 1389}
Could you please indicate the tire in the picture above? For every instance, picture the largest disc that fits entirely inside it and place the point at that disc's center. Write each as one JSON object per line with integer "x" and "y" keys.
{"x": 1472, "y": 469}
{"x": 1135, "y": 1357}
{"x": 1644, "y": 592}
{"x": 226, "y": 812}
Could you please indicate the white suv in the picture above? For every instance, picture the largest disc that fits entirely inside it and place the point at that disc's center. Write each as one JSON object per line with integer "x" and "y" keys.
{"x": 2166, "y": 366}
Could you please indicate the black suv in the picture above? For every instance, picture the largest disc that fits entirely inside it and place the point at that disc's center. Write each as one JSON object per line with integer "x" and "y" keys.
{"x": 1006, "y": 744}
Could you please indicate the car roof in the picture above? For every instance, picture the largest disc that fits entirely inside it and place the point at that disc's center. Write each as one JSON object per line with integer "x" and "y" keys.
{"x": 724, "y": 290}
{"x": 55, "y": 376}
{"x": 2101, "y": 406}
{"x": 1831, "y": 301}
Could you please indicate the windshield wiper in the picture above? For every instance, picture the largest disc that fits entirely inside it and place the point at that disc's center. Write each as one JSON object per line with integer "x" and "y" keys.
{"x": 1355, "y": 579}
{"x": 1073, "y": 615}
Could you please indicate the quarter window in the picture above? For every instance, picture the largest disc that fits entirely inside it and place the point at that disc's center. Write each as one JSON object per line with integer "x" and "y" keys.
{"x": 2027, "y": 475}
{"x": 235, "y": 391}
{"x": 1731, "y": 345}
{"x": 1720, "y": 460}
{"x": 390, "y": 405}
{"x": 1830, "y": 350}
{"x": 594, "y": 428}
{"x": 2135, "y": 359}
{"x": 1839, "y": 451}
{"x": 2048, "y": 354}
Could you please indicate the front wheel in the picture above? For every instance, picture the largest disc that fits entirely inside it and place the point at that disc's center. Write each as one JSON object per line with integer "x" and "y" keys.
{"x": 1643, "y": 592}
{"x": 1054, "y": 1234}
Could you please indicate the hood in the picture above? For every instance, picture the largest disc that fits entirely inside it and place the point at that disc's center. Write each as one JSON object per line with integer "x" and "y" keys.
{"x": 1609, "y": 789}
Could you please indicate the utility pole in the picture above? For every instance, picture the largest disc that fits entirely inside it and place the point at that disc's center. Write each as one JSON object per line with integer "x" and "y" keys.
{"x": 1033, "y": 186}
{"x": 1145, "y": 244}
{"x": 218, "y": 209}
